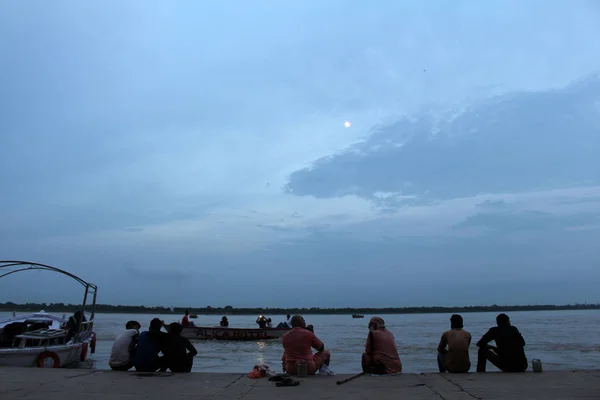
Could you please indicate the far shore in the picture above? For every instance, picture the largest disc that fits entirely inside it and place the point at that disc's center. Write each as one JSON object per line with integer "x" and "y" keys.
{"x": 228, "y": 310}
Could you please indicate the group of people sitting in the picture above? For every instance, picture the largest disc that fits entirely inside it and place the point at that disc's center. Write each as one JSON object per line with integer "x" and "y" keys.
{"x": 141, "y": 351}
{"x": 381, "y": 355}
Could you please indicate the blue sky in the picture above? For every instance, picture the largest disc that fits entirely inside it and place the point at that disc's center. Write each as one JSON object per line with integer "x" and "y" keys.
{"x": 195, "y": 153}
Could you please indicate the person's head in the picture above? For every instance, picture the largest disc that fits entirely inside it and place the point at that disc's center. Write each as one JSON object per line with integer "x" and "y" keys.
{"x": 298, "y": 322}
{"x": 502, "y": 320}
{"x": 155, "y": 325}
{"x": 310, "y": 328}
{"x": 133, "y": 325}
{"x": 224, "y": 318}
{"x": 187, "y": 312}
{"x": 456, "y": 321}
{"x": 288, "y": 316}
{"x": 269, "y": 320}
{"x": 175, "y": 329}
{"x": 376, "y": 323}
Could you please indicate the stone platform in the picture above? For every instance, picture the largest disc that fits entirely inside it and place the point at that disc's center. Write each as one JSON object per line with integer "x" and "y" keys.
{"x": 55, "y": 384}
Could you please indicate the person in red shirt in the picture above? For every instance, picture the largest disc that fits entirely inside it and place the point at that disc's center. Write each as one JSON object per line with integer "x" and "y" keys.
{"x": 381, "y": 355}
{"x": 185, "y": 321}
{"x": 298, "y": 344}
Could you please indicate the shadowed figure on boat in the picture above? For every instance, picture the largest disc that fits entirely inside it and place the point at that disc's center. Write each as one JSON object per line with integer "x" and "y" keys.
{"x": 381, "y": 355}
{"x": 509, "y": 353}
{"x": 298, "y": 344}
{"x": 453, "y": 349}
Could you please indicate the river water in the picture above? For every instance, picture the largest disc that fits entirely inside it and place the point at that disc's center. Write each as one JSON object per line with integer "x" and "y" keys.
{"x": 564, "y": 340}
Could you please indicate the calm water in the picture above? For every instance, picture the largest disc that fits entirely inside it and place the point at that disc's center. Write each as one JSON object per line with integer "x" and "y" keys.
{"x": 561, "y": 339}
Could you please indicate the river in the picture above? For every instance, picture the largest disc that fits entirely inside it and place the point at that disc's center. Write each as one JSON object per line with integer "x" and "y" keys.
{"x": 563, "y": 340}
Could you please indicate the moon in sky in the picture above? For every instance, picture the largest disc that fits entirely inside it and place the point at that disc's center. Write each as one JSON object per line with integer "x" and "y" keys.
{"x": 347, "y": 124}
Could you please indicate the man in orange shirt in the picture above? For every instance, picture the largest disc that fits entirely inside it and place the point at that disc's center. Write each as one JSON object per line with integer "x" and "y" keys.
{"x": 297, "y": 344}
{"x": 381, "y": 355}
{"x": 453, "y": 350}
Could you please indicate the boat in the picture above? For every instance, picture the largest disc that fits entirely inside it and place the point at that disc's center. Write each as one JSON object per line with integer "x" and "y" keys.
{"x": 226, "y": 333}
{"x": 193, "y": 315}
{"x": 42, "y": 339}
{"x": 357, "y": 316}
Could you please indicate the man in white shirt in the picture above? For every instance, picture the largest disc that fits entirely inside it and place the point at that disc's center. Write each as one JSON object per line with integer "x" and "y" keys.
{"x": 123, "y": 348}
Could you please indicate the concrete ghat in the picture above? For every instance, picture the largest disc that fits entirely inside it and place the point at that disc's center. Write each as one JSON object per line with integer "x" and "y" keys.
{"x": 51, "y": 384}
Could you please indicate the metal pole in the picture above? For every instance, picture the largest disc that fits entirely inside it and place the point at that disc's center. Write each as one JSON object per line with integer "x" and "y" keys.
{"x": 87, "y": 287}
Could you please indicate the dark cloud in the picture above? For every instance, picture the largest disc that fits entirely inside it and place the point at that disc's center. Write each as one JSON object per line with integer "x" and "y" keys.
{"x": 511, "y": 143}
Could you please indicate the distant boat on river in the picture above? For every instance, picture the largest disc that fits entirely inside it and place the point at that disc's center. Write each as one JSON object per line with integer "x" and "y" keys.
{"x": 357, "y": 316}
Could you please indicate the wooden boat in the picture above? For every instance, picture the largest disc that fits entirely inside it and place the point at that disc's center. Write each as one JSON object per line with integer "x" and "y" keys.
{"x": 193, "y": 315}
{"x": 357, "y": 316}
{"x": 40, "y": 339}
{"x": 222, "y": 333}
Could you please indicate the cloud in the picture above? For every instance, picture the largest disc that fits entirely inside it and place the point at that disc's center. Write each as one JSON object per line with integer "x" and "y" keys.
{"x": 201, "y": 148}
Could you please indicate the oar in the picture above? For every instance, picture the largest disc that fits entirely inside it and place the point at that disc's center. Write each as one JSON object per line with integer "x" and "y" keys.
{"x": 351, "y": 378}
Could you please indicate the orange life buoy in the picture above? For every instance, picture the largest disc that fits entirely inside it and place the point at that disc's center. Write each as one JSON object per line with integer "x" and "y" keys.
{"x": 48, "y": 354}
{"x": 84, "y": 350}
{"x": 93, "y": 343}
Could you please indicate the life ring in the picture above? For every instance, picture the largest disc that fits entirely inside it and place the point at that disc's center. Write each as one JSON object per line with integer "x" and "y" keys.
{"x": 93, "y": 343}
{"x": 84, "y": 350}
{"x": 48, "y": 354}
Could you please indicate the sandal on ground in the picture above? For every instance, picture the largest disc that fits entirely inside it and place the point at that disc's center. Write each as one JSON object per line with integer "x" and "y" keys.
{"x": 278, "y": 377}
{"x": 287, "y": 382}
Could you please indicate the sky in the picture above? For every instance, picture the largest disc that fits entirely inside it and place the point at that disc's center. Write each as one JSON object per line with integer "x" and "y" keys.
{"x": 197, "y": 153}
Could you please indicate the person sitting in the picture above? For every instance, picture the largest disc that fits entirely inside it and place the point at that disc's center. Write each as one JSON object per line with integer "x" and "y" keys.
{"x": 74, "y": 324}
{"x": 123, "y": 349}
{"x": 509, "y": 355}
{"x": 297, "y": 344}
{"x": 150, "y": 344}
{"x": 224, "y": 322}
{"x": 269, "y": 323}
{"x": 381, "y": 355}
{"x": 453, "y": 350}
{"x": 288, "y": 321}
{"x": 10, "y": 332}
{"x": 185, "y": 321}
{"x": 179, "y": 352}
{"x": 261, "y": 321}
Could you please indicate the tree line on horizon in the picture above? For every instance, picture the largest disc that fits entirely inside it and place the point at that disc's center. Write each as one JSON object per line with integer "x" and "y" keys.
{"x": 230, "y": 310}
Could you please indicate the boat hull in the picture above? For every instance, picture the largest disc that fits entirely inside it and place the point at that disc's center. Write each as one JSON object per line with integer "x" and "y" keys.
{"x": 220, "y": 333}
{"x": 68, "y": 354}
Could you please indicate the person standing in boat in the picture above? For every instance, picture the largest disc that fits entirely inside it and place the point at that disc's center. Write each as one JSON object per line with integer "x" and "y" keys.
{"x": 179, "y": 352}
{"x": 453, "y": 350}
{"x": 298, "y": 344}
{"x": 381, "y": 355}
{"x": 123, "y": 349}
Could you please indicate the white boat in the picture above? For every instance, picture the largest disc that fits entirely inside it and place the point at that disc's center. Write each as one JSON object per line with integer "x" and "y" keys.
{"x": 42, "y": 339}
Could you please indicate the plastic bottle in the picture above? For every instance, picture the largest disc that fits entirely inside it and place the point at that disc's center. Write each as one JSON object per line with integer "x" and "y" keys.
{"x": 536, "y": 364}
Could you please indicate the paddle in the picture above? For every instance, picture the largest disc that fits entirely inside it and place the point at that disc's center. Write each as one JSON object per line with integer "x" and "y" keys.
{"x": 351, "y": 378}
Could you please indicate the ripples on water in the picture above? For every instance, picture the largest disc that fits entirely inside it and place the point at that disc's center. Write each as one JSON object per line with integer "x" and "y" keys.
{"x": 561, "y": 339}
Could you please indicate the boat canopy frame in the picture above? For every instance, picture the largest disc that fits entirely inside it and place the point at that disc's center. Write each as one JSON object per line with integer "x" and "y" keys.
{"x": 15, "y": 266}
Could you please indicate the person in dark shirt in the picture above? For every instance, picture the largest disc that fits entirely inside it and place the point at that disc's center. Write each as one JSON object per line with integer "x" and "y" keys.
{"x": 261, "y": 321}
{"x": 509, "y": 355}
{"x": 224, "y": 322}
{"x": 150, "y": 344}
{"x": 179, "y": 352}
